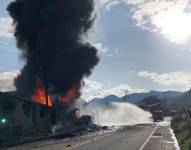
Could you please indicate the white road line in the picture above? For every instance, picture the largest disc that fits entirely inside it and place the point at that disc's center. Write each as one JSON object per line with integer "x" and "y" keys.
{"x": 144, "y": 144}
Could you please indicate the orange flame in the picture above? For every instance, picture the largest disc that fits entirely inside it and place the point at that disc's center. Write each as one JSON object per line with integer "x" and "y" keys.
{"x": 69, "y": 96}
{"x": 39, "y": 95}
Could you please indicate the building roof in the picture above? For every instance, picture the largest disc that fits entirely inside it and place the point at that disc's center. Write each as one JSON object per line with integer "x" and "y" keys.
{"x": 15, "y": 97}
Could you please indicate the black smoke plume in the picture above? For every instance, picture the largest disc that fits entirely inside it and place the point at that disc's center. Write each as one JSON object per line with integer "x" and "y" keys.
{"x": 50, "y": 35}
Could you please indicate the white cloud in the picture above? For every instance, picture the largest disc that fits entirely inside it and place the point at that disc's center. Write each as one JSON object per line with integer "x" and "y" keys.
{"x": 101, "y": 48}
{"x": 169, "y": 18}
{"x": 7, "y": 80}
{"x": 109, "y": 3}
{"x": 95, "y": 89}
{"x": 166, "y": 17}
{"x": 172, "y": 79}
{"x": 6, "y": 28}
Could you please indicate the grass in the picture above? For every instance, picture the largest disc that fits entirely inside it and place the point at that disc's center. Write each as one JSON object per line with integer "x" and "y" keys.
{"x": 182, "y": 129}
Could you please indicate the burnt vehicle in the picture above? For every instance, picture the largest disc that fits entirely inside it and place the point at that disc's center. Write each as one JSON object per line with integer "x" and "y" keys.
{"x": 158, "y": 116}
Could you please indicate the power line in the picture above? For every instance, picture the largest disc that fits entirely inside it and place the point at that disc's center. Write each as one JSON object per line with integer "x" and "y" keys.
{"x": 7, "y": 43}
{"x": 8, "y": 53}
{"x": 5, "y": 65}
{"x": 7, "y": 69}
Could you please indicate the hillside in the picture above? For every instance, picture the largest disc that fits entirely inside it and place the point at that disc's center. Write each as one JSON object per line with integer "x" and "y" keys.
{"x": 183, "y": 101}
{"x": 182, "y": 127}
{"x": 135, "y": 98}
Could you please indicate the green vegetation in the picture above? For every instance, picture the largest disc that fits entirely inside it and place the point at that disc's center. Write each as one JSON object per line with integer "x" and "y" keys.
{"x": 182, "y": 128}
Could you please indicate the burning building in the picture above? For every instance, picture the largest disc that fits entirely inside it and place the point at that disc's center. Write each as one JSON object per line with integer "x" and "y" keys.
{"x": 19, "y": 111}
{"x": 51, "y": 35}
{"x": 25, "y": 113}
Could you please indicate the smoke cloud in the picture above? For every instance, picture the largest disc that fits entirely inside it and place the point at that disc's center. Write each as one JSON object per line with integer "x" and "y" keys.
{"x": 116, "y": 114}
{"x": 50, "y": 34}
{"x": 7, "y": 79}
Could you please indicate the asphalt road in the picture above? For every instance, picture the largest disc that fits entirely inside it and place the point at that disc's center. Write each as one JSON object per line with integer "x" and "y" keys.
{"x": 128, "y": 138}
{"x": 125, "y": 138}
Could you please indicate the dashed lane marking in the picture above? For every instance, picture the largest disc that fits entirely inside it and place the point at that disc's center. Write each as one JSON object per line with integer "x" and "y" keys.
{"x": 148, "y": 139}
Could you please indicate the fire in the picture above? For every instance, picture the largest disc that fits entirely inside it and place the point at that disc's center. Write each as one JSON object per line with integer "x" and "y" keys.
{"x": 39, "y": 94}
{"x": 69, "y": 96}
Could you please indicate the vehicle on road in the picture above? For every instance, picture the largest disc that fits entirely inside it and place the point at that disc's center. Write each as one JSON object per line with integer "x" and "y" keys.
{"x": 158, "y": 116}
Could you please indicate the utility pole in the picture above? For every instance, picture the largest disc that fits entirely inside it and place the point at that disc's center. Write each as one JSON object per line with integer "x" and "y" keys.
{"x": 45, "y": 77}
{"x": 165, "y": 99}
{"x": 43, "y": 65}
{"x": 125, "y": 97}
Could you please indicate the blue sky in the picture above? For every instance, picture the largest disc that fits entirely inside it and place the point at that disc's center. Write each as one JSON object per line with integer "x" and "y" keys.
{"x": 142, "y": 45}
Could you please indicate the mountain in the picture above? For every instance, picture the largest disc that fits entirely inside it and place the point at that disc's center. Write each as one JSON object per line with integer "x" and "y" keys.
{"x": 136, "y": 97}
{"x": 105, "y": 100}
{"x": 171, "y": 96}
{"x": 183, "y": 101}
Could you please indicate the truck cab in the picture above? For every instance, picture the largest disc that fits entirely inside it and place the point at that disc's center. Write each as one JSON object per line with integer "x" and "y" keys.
{"x": 158, "y": 116}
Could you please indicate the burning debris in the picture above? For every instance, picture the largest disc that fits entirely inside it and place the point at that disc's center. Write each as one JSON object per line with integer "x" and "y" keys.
{"x": 70, "y": 95}
{"x": 50, "y": 35}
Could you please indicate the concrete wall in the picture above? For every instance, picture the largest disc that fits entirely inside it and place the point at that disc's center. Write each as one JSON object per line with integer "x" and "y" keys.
{"x": 18, "y": 113}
